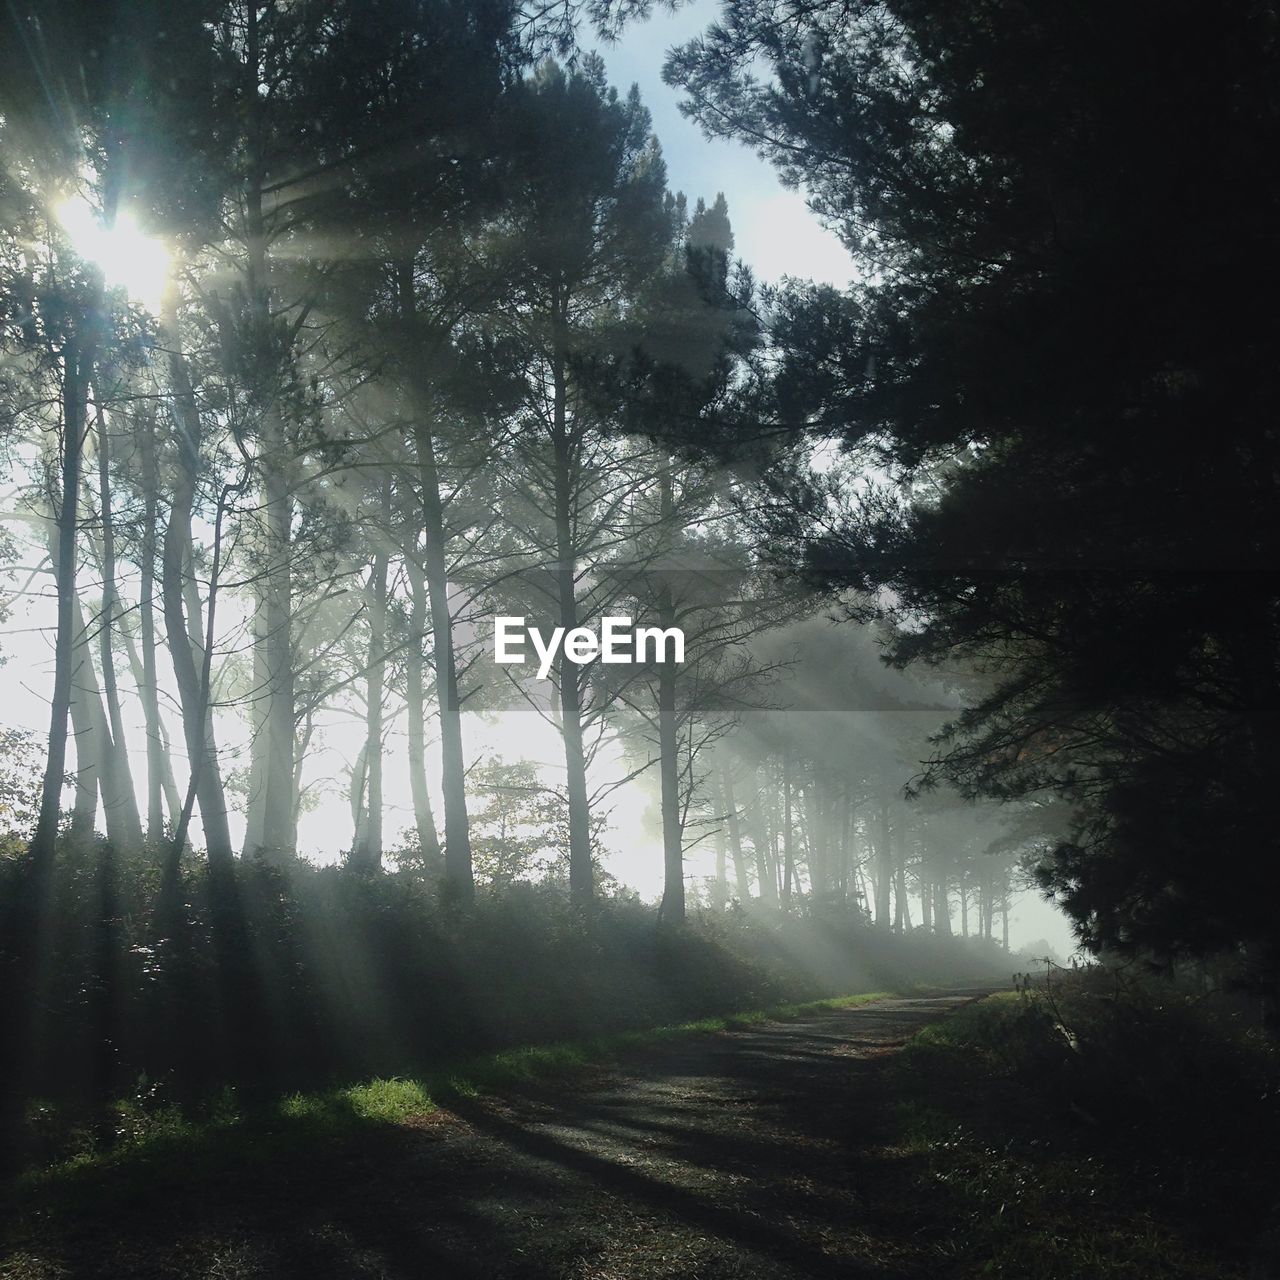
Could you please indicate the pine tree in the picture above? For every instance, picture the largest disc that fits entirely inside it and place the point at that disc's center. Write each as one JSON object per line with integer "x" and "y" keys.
{"x": 1058, "y": 354}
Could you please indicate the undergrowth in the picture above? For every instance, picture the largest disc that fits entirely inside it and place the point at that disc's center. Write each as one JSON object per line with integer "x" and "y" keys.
{"x": 1097, "y": 1126}
{"x": 278, "y": 980}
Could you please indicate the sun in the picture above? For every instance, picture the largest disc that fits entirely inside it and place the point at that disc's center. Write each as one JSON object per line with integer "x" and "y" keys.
{"x": 129, "y": 259}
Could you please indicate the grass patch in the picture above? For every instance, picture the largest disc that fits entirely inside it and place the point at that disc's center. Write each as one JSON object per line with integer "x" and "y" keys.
{"x": 1053, "y": 1127}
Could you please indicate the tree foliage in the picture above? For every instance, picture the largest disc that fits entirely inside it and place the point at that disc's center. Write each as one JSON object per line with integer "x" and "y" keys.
{"x": 1058, "y": 353}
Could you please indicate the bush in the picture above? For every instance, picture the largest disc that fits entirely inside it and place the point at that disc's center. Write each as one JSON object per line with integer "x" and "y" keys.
{"x": 1100, "y": 1124}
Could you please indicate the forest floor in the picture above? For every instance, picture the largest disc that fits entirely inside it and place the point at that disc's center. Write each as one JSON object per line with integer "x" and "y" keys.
{"x": 775, "y": 1151}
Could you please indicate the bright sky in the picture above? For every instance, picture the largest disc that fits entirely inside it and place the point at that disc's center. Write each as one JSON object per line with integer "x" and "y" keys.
{"x": 773, "y": 229}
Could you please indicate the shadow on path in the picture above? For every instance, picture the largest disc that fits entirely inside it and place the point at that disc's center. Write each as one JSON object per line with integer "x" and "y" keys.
{"x": 750, "y": 1154}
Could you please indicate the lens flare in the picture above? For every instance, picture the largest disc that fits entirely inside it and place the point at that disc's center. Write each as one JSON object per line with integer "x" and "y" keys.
{"x": 129, "y": 259}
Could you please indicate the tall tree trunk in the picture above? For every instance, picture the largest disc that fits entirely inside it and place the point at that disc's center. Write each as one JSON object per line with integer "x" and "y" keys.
{"x": 773, "y": 843}
{"x": 673, "y": 896}
{"x": 581, "y": 867}
{"x": 255, "y": 804}
{"x": 787, "y": 835}
{"x": 415, "y": 698}
{"x": 766, "y": 867}
{"x": 1004, "y": 913}
{"x": 815, "y": 811}
{"x": 97, "y": 770}
{"x": 163, "y": 762}
{"x": 124, "y": 798}
{"x": 76, "y": 364}
{"x": 740, "y": 876}
{"x": 278, "y": 836}
{"x": 300, "y": 759}
{"x": 146, "y": 679}
{"x": 843, "y": 847}
{"x": 864, "y": 890}
{"x": 884, "y": 869}
{"x": 197, "y": 717}
{"x": 119, "y": 805}
{"x": 88, "y": 751}
{"x": 357, "y": 794}
{"x": 926, "y": 889}
{"x": 942, "y": 907}
{"x": 274, "y": 615}
{"x": 902, "y": 914}
{"x": 459, "y": 873}
{"x": 720, "y": 884}
{"x": 368, "y": 852}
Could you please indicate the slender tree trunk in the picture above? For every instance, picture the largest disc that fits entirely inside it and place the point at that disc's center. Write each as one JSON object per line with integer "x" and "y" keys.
{"x": 278, "y": 836}
{"x": 720, "y": 885}
{"x": 964, "y": 904}
{"x": 146, "y": 679}
{"x": 255, "y": 806}
{"x": 357, "y": 793}
{"x": 788, "y": 853}
{"x": 459, "y": 873}
{"x": 94, "y": 756}
{"x": 815, "y": 811}
{"x": 162, "y": 765}
{"x": 673, "y": 895}
{"x": 1004, "y": 913}
{"x": 740, "y": 876}
{"x": 926, "y": 889}
{"x": 197, "y": 713}
{"x": 884, "y": 870}
{"x": 197, "y": 717}
{"x": 766, "y": 867}
{"x": 902, "y": 913}
{"x": 124, "y": 798}
{"x": 457, "y": 828}
{"x": 88, "y": 751}
{"x": 273, "y": 628}
{"x": 581, "y": 866}
{"x": 368, "y": 852}
{"x": 773, "y": 842}
{"x": 299, "y": 761}
{"x": 415, "y": 698}
{"x": 866, "y": 892}
{"x": 75, "y": 376}
{"x": 942, "y": 907}
{"x": 119, "y": 805}
{"x": 846, "y": 845}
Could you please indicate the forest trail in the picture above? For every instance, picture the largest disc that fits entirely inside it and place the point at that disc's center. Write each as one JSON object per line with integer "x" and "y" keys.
{"x": 756, "y": 1153}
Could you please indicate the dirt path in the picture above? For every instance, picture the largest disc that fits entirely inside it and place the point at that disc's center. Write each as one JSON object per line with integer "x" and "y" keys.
{"x": 748, "y": 1154}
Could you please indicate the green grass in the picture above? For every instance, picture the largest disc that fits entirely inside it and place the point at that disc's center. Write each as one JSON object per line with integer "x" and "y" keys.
{"x": 147, "y": 1139}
